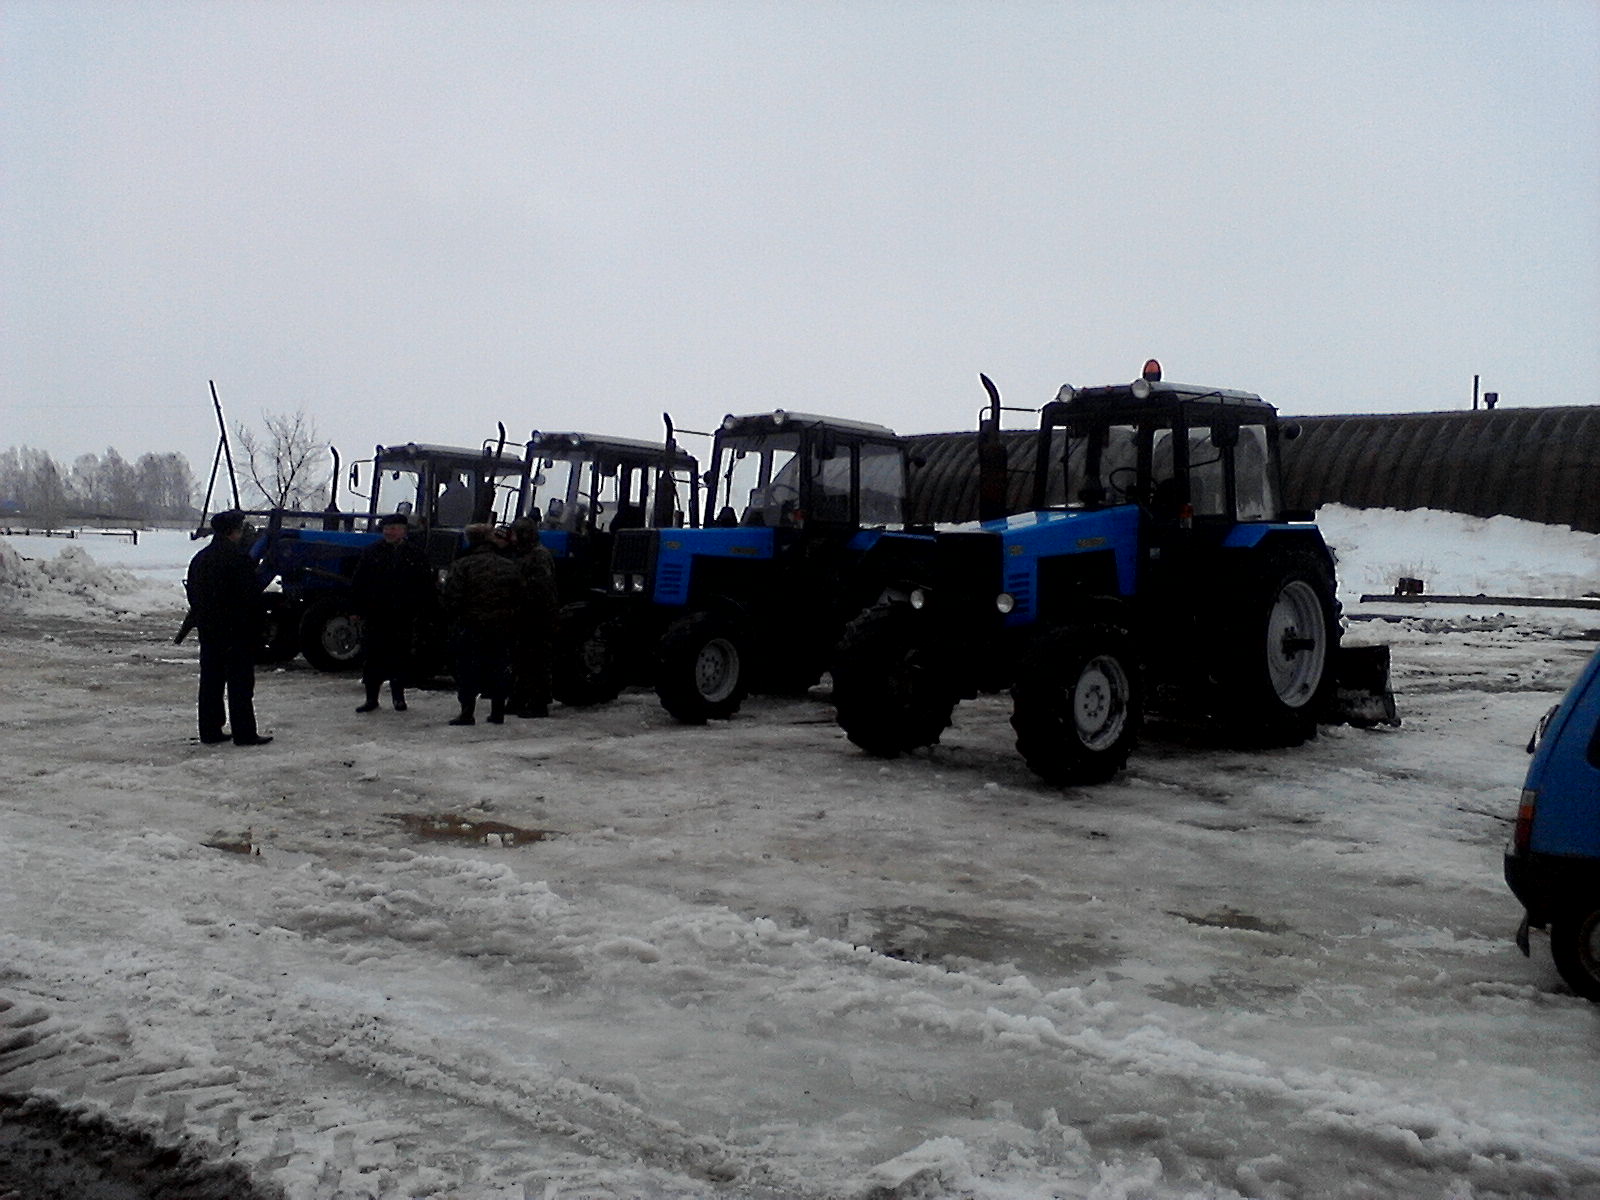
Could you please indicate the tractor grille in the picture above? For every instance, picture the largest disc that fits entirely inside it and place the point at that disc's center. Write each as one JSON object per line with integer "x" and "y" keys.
{"x": 633, "y": 550}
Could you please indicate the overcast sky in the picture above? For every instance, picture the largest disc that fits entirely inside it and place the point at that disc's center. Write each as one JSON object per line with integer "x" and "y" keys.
{"x": 416, "y": 219}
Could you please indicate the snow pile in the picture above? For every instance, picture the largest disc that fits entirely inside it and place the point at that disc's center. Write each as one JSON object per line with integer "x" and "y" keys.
{"x": 1454, "y": 554}
{"x": 72, "y": 583}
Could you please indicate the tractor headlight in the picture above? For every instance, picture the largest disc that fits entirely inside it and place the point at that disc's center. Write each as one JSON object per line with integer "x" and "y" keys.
{"x": 619, "y": 582}
{"x": 919, "y": 599}
{"x": 1005, "y": 602}
{"x": 636, "y": 583}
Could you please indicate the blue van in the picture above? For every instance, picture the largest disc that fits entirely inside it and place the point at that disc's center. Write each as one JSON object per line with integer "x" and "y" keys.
{"x": 1553, "y": 861}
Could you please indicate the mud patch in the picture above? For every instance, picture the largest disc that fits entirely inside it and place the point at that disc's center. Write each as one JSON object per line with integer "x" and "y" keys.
{"x": 950, "y": 939}
{"x": 446, "y": 827}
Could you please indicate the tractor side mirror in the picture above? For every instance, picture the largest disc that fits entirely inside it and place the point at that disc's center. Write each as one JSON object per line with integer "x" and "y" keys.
{"x": 1224, "y": 436}
{"x": 1290, "y": 431}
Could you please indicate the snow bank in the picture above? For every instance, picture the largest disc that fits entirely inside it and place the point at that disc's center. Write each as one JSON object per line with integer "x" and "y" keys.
{"x": 1454, "y": 554}
{"x": 73, "y": 584}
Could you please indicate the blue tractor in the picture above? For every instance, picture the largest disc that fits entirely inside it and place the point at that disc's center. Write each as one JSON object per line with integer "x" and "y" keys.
{"x": 589, "y": 486}
{"x": 754, "y": 599}
{"x": 1156, "y": 573}
{"x": 307, "y": 559}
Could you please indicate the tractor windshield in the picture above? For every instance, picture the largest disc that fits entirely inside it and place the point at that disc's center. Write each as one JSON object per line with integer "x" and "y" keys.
{"x": 396, "y": 489}
{"x": 1221, "y": 471}
{"x": 758, "y": 478}
{"x": 578, "y": 492}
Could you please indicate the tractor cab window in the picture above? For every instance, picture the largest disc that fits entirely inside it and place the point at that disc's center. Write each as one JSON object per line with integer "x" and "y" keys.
{"x": 759, "y": 479}
{"x": 453, "y": 500}
{"x": 1255, "y": 486}
{"x": 557, "y": 487}
{"x": 883, "y": 485}
{"x": 1207, "y": 493}
{"x": 830, "y": 483}
{"x": 396, "y": 489}
{"x": 1102, "y": 466}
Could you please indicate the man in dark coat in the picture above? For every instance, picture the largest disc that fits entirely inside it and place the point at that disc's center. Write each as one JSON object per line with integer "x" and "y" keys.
{"x": 393, "y": 591}
{"x": 225, "y": 603}
{"x": 483, "y": 595}
{"x": 536, "y": 627}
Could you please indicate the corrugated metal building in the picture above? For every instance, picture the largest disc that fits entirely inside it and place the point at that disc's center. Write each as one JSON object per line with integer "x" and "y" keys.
{"x": 1539, "y": 464}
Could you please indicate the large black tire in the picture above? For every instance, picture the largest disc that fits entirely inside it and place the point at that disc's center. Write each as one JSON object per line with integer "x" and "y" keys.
{"x": 1280, "y": 632}
{"x": 702, "y": 668}
{"x": 1575, "y": 943}
{"x": 280, "y": 629}
{"x": 331, "y": 637}
{"x": 585, "y": 662}
{"x": 890, "y": 691}
{"x": 1077, "y": 704}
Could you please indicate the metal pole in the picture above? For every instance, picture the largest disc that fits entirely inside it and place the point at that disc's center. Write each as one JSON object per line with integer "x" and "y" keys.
{"x": 1474, "y": 393}
{"x": 226, "y": 449}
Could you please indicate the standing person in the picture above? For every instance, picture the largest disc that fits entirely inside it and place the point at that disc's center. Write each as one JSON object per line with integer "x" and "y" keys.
{"x": 225, "y": 602}
{"x": 482, "y": 595}
{"x": 536, "y": 627}
{"x": 393, "y": 587}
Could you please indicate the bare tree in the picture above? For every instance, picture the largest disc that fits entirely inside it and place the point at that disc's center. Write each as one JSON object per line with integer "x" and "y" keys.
{"x": 282, "y": 460}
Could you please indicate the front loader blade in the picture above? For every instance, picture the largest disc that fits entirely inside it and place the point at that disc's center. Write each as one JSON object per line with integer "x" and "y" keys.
{"x": 1362, "y": 696}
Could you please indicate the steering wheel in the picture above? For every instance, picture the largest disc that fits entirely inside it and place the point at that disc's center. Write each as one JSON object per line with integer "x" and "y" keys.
{"x": 1126, "y": 488}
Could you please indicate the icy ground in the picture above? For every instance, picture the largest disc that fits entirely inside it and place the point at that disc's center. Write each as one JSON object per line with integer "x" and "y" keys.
{"x": 641, "y": 960}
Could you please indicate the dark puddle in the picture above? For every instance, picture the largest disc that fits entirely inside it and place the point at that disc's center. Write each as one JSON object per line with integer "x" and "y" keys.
{"x": 446, "y": 827}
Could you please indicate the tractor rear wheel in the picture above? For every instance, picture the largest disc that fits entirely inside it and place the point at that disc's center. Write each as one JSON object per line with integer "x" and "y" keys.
{"x": 1077, "y": 705}
{"x": 332, "y": 638}
{"x": 1280, "y": 634}
{"x": 889, "y": 691}
{"x": 701, "y": 669}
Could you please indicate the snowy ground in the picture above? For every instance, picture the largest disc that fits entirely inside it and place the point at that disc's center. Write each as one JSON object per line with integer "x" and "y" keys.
{"x": 748, "y": 961}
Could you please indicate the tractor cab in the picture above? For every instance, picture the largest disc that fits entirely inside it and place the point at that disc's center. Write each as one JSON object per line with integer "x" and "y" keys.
{"x": 794, "y": 470}
{"x": 443, "y": 489}
{"x": 586, "y": 489}
{"x": 1185, "y": 454}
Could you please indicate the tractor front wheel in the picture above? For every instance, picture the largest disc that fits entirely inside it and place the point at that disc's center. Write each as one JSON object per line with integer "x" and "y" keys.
{"x": 332, "y": 638}
{"x": 702, "y": 669}
{"x": 1076, "y": 705}
{"x": 890, "y": 693}
{"x": 585, "y": 666}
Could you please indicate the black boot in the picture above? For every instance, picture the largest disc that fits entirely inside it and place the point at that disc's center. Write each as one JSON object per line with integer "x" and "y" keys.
{"x": 466, "y": 717}
{"x": 372, "y": 699}
{"x": 497, "y": 711}
{"x": 399, "y": 694}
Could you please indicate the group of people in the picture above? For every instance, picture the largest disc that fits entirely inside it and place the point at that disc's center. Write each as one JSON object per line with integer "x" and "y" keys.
{"x": 498, "y": 605}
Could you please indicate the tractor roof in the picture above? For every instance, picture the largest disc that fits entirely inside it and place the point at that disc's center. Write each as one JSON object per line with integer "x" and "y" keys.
{"x": 779, "y": 420}
{"x": 600, "y": 446}
{"x": 460, "y": 456}
{"x": 1146, "y": 398}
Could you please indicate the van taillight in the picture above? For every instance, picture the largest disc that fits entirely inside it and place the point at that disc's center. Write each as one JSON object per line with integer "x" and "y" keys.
{"x": 1522, "y": 833}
